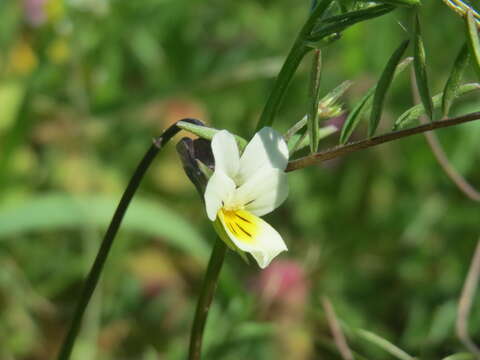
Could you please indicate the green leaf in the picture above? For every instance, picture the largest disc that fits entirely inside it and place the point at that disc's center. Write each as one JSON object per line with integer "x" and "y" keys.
{"x": 453, "y": 82}
{"x": 299, "y": 141}
{"x": 383, "y": 344}
{"x": 314, "y": 97}
{"x": 62, "y": 211}
{"x": 382, "y": 87}
{"x": 418, "y": 110}
{"x": 460, "y": 356}
{"x": 398, "y": 2}
{"x": 420, "y": 67}
{"x": 207, "y": 133}
{"x": 355, "y": 115}
{"x": 338, "y": 23}
{"x": 473, "y": 41}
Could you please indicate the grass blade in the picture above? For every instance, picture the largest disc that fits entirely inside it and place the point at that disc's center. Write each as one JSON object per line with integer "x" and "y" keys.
{"x": 453, "y": 82}
{"x": 420, "y": 67}
{"x": 473, "y": 41}
{"x": 383, "y": 344}
{"x": 382, "y": 87}
{"x": 52, "y": 212}
{"x": 338, "y": 23}
{"x": 460, "y": 356}
{"x": 314, "y": 97}
{"x": 415, "y": 112}
{"x": 355, "y": 115}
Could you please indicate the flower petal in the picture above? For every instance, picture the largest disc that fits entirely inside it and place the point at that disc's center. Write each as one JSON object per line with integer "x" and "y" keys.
{"x": 251, "y": 234}
{"x": 220, "y": 188}
{"x": 262, "y": 193}
{"x": 225, "y": 153}
{"x": 267, "y": 147}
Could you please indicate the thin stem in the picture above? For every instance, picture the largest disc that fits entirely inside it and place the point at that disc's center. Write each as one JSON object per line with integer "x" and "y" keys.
{"x": 440, "y": 155}
{"x": 205, "y": 300}
{"x": 377, "y": 140}
{"x": 336, "y": 329}
{"x": 295, "y": 56}
{"x": 96, "y": 270}
{"x": 465, "y": 303}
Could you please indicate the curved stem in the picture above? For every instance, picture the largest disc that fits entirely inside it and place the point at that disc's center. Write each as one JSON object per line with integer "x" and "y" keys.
{"x": 377, "y": 140}
{"x": 440, "y": 155}
{"x": 96, "y": 270}
{"x": 295, "y": 56}
{"x": 465, "y": 303}
{"x": 205, "y": 300}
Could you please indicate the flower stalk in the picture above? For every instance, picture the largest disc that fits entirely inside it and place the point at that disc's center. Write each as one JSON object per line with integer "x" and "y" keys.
{"x": 205, "y": 300}
{"x": 107, "y": 242}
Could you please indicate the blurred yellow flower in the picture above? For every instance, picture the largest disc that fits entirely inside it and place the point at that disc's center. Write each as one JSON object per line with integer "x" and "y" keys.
{"x": 22, "y": 59}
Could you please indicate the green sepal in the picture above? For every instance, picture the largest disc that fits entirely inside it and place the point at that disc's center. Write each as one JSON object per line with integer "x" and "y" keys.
{"x": 207, "y": 133}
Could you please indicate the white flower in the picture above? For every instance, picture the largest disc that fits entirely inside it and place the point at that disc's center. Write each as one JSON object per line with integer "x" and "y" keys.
{"x": 242, "y": 188}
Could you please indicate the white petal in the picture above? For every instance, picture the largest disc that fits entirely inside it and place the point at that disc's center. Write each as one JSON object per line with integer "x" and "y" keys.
{"x": 225, "y": 153}
{"x": 264, "y": 244}
{"x": 267, "y": 147}
{"x": 262, "y": 193}
{"x": 220, "y": 188}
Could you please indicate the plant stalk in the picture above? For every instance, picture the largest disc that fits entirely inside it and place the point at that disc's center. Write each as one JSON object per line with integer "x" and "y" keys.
{"x": 96, "y": 270}
{"x": 299, "y": 49}
{"x": 377, "y": 140}
{"x": 205, "y": 299}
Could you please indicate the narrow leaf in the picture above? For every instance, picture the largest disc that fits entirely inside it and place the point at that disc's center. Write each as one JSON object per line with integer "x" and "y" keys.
{"x": 460, "y": 356}
{"x": 398, "y": 2}
{"x": 383, "y": 86}
{"x": 52, "y": 212}
{"x": 415, "y": 112}
{"x": 314, "y": 97}
{"x": 420, "y": 67}
{"x": 207, "y": 133}
{"x": 341, "y": 22}
{"x": 453, "y": 82}
{"x": 299, "y": 141}
{"x": 383, "y": 344}
{"x": 473, "y": 40}
{"x": 355, "y": 115}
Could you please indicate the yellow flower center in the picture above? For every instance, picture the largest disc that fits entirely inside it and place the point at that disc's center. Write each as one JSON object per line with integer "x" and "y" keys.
{"x": 241, "y": 224}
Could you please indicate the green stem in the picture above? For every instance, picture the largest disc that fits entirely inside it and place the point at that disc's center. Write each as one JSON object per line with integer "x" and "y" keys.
{"x": 96, "y": 270}
{"x": 295, "y": 56}
{"x": 205, "y": 300}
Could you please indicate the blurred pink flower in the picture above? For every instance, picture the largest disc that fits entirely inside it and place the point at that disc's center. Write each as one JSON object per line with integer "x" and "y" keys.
{"x": 284, "y": 283}
{"x": 34, "y": 12}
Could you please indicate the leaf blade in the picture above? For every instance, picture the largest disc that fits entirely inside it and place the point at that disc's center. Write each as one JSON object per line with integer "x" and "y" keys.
{"x": 420, "y": 67}
{"x": 453, "y": 82}
{"x": 383, "y": 85}
{"x": 473, "y": 40}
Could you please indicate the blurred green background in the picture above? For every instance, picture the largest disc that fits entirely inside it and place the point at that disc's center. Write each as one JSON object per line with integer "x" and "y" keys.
{"x": 86, "y": 84}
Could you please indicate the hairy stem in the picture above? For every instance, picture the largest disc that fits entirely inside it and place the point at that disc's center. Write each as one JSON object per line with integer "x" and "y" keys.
{"x": 96, "y": 270}
{"x": 377, "y": 140}
{"x": 205, "y": 300}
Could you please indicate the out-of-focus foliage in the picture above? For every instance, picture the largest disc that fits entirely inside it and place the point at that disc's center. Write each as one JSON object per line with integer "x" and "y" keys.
{"x": 86, "y": 84}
